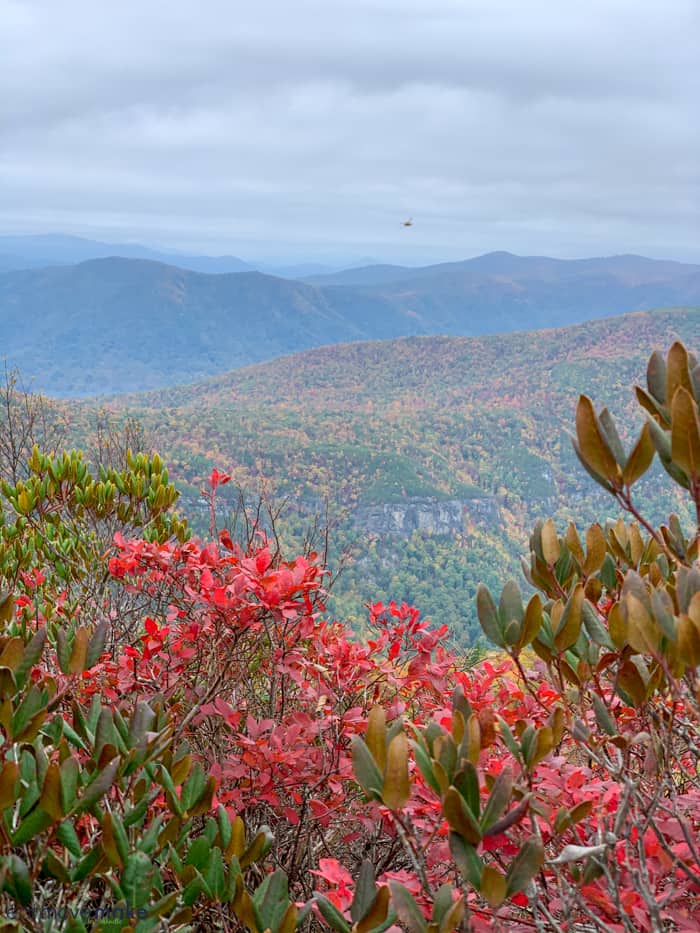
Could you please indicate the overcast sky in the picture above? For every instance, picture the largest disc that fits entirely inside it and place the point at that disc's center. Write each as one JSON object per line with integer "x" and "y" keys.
{"x": 307, "y": 129}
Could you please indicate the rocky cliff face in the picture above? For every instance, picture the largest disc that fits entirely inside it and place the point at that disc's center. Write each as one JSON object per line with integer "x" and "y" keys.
{"x": 434, "y": 516}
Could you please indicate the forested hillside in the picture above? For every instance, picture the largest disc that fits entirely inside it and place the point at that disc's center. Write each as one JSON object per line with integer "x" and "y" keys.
{"x": 435, "y": 453}
{"x": 113, "y": 325}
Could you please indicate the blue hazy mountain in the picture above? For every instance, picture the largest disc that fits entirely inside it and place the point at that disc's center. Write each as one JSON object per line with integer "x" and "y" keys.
{"x": 126, "y": 324}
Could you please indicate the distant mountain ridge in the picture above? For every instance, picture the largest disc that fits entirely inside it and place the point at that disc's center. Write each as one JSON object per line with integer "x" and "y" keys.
{"x": 41, "y": 251}
{"x": 112, "y": 325}
{"x": 628, "y": 267}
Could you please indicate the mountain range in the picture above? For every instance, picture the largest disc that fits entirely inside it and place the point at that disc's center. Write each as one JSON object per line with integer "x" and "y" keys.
{"x": 40, "y": 251}
{"x": 128, "y": 323}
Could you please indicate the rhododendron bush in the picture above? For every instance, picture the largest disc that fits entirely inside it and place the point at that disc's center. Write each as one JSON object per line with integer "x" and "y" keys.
{"x": 242, "y": 759}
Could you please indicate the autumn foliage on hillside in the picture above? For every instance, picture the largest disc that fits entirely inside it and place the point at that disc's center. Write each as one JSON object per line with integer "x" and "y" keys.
{"x": 190, "y": 741}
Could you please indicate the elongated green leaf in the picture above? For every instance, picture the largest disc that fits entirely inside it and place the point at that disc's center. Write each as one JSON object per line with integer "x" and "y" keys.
{"x": 98, "y": 787}
{"x": 331, "y": 914}
{"x": 32, "y": 825}
{"x": 499, "y": 798}
{"x": 460, "y": 817}
{"x": 524, "y": 866}
{"x": 570, "y": 625}
{"x": 365, "y": 891}
{"x": 595, "y": 627}
{"x": 18, "y": 882}
{"x": 96, "y": 644}
{"x": 406, "y": 908}
{"x": 488, "y": 616}
{"x": 365, "y": 768}
{"x": 602, "y": 716}
{"x": 31, "y": 656}
{"x": 466, "y": 859}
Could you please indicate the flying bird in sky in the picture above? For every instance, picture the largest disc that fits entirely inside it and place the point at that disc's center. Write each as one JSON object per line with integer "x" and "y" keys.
{"x": 407, "y": 223}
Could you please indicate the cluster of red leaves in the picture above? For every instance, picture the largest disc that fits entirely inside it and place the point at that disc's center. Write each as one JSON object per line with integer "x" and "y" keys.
{"x": 238, "y": 644}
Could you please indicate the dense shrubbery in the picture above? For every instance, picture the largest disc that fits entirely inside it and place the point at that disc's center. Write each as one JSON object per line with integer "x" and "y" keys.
{"x": 237, "y": 759}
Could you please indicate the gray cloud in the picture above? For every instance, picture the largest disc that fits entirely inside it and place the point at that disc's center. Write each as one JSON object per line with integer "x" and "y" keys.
{"x": 278, "y": 128}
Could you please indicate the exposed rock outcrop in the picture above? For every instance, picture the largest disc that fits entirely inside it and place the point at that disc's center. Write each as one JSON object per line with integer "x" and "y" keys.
{"x": 434, "y": 516}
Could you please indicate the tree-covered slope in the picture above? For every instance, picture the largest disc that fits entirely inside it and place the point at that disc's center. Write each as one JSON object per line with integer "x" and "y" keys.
{"x": 435, "y": 453}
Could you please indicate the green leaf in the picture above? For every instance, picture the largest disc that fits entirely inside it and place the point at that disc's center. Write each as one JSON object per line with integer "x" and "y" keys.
{"x": 466, "y": 780}
{"x": 331, "y": 914}
{"x": 488, "y": 616}
{"x": 441, "y": 902}
{"x": 425, "y": 766}
{"x": 607, "y": 423}
{"x": 602, "y": 716}
{"x": 193, "y": 788}
{"x": 32, "y": 706}
{"x": 365, "y": 891}
{"x": 214, "y": 875}
{"x": 375, "y": 919}
{"x": 198, "y": 853}
{"x": 87, "y": 864}
{"x": 454, "y": 916}
{"x": 32, "y": 825}
{"x": 570, "y": 624}
{"x": 595, "y": 628}
{"x": 271, "y": 900}
{"x": 70, "y": 772}
{"x": 63, "y": 649}
{"x": 460, "y": 817}
{"x": 524, "y": 866}
{"x": 406, "y": 908}
{"x": 18, "y": 882}
{"x": 466, "y": 859}
{"x": 98, "y": 787}
{"x": 499, "y": 799}
{"x": 137, "y": 879}
{"x": 96, "y": 645}
{"x": 365, "y": 768}
{"x": 67, "y": 836}
{"x": 224, "y": 824}
{"x": 32, "y": 654}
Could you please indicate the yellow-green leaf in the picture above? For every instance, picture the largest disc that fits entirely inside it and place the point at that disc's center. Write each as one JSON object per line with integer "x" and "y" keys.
{"x": 550, "y": 542}
{"x": 640, "y": 457}
{"x": 493, "y": 886}
{"x": 396, "y": 788}
{"x": 685, "y": 432}
{"x": 595, "y": 550}
{"x": 572, "y": 618}
{"x": 375, "y": 736}
{"x": 592, "y": 443}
